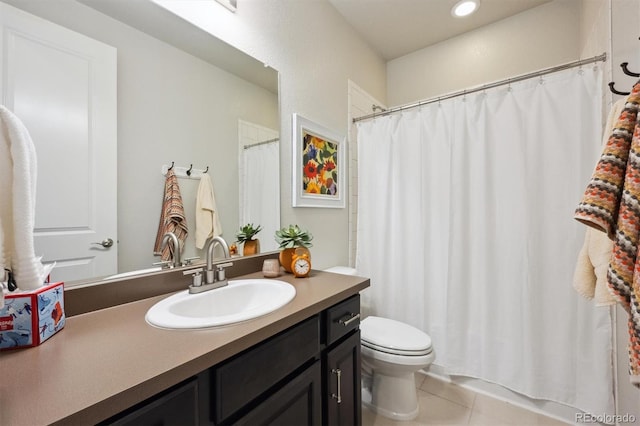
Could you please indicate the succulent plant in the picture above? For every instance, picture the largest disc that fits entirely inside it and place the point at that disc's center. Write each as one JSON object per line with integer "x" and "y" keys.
{"x": 293, "y": 236}
{"x": 247, "y": 232}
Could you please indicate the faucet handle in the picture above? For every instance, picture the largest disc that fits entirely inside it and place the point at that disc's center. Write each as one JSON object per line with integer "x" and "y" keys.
{"x": 192, "y": 271}
{"x": 220, "y": 273}
{"x": 197, "y": 276}
{"x": 165, "y": 264}
{"x": 189, "y": 260}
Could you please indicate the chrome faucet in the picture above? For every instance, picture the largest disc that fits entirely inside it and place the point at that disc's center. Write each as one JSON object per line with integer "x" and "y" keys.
{"x": 170, "y": 236}
{"x": 210, "y": 275}
{"x": 212, "y": 278}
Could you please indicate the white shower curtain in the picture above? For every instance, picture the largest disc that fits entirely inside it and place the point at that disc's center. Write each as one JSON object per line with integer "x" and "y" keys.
{"x": 260, "y": 191}
{"x": 465, "y": 226}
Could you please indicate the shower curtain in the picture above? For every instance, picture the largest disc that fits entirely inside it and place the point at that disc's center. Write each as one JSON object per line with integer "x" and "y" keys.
{"x": 465, "y": 226}
{"x": 260, "y": 191}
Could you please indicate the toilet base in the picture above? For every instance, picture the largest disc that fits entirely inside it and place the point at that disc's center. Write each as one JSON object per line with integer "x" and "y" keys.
{"x": 394, "y": 397}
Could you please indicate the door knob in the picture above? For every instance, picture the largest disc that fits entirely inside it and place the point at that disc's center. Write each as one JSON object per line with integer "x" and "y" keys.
{"x": 106, "y": 243}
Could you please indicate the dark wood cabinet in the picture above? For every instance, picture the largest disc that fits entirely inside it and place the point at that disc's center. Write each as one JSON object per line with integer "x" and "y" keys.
{"x": 309, "y": 374}
{"x": 341, "y": 364}
{"x": 342, "y": 378}
{"x": 296, "y": 403}
{"x": 176, "y": 406}
{"x": 244, "y": 378}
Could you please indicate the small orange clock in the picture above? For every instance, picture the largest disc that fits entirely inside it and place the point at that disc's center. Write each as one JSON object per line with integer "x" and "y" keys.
{"x": 301, "y": 265}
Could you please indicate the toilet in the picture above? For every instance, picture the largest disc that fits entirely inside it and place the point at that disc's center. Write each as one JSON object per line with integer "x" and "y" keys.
{"x": 392, "y": 352}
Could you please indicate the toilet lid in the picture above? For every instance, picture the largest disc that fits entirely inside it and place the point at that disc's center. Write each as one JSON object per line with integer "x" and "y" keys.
{"x": 393, "y": 336}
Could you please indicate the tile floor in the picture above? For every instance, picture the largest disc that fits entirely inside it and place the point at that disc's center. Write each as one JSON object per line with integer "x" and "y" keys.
{"x": 443, "y": 403}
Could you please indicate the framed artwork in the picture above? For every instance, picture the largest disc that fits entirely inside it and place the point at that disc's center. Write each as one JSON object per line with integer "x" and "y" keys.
{"x": 319, "y": 167}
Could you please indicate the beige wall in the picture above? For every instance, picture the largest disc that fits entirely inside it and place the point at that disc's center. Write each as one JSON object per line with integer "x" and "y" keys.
{"x": 545, "y": 36}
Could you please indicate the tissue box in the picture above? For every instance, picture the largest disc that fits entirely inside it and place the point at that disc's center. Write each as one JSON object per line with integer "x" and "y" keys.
{"x": 28, "y": 318}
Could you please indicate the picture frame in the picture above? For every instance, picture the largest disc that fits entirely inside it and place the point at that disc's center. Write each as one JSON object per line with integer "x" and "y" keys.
{"x": 319, "y": 166}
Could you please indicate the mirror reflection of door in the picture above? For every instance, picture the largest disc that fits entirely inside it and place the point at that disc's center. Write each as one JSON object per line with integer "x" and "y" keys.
{"x": 259, "y": 176}
{"x": 64, "y": 90}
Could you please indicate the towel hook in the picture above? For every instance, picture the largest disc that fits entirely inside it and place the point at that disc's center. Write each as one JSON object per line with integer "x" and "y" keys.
{"x": 189, "y": 171}
{"x": 171, "y": 166}
{"x": 626, "y": 70}
{"x": 206, "y": 170}
{"x": 617, "y": 92}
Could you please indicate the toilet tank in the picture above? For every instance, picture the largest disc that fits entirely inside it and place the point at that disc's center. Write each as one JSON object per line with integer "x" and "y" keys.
{"x": 365, "y": 309}
{"x": 344, "y": 270}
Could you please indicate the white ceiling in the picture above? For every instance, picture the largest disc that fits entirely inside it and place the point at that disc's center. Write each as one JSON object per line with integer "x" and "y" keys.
{"x": 397, "y": 27}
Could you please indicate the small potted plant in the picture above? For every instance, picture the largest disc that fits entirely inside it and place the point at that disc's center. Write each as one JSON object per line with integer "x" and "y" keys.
{"x": 245, "y": 237}
{"x": 289, "y": 239}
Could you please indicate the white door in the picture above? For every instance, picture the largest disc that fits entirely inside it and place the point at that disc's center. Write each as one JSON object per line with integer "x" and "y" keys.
{"x": 62, "y": 85}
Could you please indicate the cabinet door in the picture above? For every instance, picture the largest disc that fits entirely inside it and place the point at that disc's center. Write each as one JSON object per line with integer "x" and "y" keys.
{"x": 245, "y": 378}
{"x": 177, "y": 406}
{"x": 343, "y": 383}
{"x": 298, "y": 403}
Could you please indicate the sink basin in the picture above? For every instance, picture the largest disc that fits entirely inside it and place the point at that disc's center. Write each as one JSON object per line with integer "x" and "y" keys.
{"x": 241, "y": 300}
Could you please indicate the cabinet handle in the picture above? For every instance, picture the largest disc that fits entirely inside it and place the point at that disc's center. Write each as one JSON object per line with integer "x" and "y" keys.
{"x": 352, "y": 318}
{"x": 338, "y": 373}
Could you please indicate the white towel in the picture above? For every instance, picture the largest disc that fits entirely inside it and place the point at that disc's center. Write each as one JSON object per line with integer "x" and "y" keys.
{"x": 590, "y": 274}
{"x": 3, "y": 263}
{"x": 207, "y": 218}
{"x": 17, "y": 201}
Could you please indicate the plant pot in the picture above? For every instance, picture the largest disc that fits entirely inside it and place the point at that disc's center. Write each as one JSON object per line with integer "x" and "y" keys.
{"x": 286, "y": 256}
{"x": 251, "y": 247}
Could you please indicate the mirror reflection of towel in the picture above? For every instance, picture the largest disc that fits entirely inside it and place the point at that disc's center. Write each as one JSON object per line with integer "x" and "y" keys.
{"x": 207, "y": 218}
{"x": 172, "y": 218}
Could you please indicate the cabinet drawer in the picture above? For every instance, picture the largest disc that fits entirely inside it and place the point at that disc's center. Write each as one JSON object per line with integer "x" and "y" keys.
{"x": 248, "y": 375}
{"x": 340, "y": 319}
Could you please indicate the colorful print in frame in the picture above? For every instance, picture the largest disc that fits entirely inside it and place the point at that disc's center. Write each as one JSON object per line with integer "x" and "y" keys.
{"x": 319, "y": 169}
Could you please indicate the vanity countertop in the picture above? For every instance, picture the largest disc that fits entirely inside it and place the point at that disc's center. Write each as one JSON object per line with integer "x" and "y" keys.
{"x": 105, "y": 361}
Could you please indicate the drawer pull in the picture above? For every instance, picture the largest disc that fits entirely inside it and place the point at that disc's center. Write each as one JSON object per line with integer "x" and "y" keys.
{"x": 338, "y": 373}
{"x": 351, "y": 318}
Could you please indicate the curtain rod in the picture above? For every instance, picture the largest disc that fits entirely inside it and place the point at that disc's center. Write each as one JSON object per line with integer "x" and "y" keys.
{"x": 261, "y": 143}
{"x": 557, "y": 68}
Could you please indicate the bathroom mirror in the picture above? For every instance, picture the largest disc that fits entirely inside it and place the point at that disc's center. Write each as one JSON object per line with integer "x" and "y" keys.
{"x": 183, "y": 97}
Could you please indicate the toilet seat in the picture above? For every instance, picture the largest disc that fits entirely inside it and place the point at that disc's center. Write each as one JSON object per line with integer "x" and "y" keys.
{"x": 394, "y": 337}
{"x": 395, "y": 351}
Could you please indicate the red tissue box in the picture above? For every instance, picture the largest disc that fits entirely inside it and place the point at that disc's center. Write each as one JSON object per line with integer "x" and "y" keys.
{"x": 28, "y": 318}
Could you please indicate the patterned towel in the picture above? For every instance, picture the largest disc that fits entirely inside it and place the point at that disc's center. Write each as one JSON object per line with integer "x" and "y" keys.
{"x": 611, "y": 204}
{"x": 172, "y": 218}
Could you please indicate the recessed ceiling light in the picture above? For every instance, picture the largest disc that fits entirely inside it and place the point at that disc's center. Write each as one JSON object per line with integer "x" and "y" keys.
{"x": 465, "y": 8}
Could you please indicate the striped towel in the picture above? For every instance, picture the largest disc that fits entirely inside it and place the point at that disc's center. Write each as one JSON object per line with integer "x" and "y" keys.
{"x": 611, "y": 204}
{"x": 172, "y": 218}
